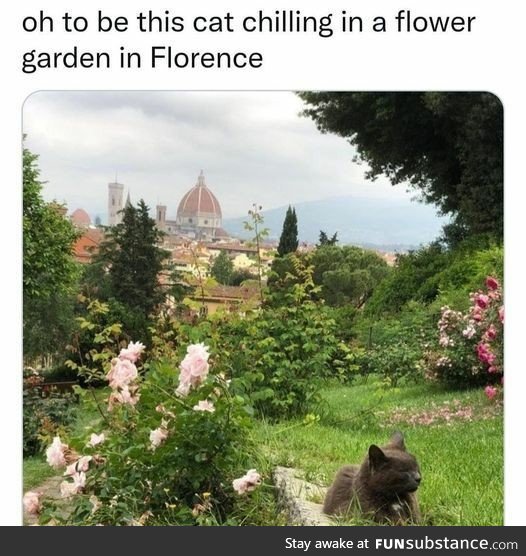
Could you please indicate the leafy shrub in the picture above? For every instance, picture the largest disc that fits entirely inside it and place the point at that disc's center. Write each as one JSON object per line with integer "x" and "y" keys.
{"x": 286, "y": 351}
{"x": 167, "y": 450}
{"x": 46, "y": 412}
{"x": 393, "y": 362}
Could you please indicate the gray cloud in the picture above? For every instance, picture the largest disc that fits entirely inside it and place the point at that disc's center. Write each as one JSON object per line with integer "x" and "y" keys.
{"x": 252, "y": 146}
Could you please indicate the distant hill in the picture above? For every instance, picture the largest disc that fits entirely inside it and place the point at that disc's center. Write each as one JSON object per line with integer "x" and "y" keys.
{"x": 389, "y": 224}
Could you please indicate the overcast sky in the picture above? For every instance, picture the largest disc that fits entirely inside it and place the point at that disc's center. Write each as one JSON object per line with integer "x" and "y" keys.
{"x": 252, "y": 147}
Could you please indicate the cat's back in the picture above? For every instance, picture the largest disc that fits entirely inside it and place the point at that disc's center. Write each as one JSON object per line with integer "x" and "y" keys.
{"x": 340, "y": 493}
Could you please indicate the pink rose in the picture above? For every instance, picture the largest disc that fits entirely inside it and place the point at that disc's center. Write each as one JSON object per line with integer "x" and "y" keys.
{"x": 132, "y": 352}
{"x": 204, "y": 405}
{"x": 82, "y": 464}
{"x": 67, "y": 488}
{"x": 476, "y": 313}
{"x": 55, "y": 453}
{"x": 96, "y": 439}
{"x": 157, "y": 437}
{"x": 491, "y": 333}
{"x": 492, "y": 283}
{"x": 122, "y": 372}
{"x": 490, "y": 392}
{"x": 501, "y": 314}
{"x": 31, "y": 502}
{"x": 482, "y": 300}
{"x": 484, "y": 354}
{"x": 194, "y": 368}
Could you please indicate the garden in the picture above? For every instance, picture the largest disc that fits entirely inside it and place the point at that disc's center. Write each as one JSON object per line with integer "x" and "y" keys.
{"x": 136, "y": 414}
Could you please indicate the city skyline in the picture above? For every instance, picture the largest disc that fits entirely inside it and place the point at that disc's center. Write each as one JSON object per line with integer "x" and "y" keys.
{"x": 252, "y": 147}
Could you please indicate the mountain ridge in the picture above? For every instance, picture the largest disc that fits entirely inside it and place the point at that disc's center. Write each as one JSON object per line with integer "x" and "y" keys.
{"x": 368, "y": 221}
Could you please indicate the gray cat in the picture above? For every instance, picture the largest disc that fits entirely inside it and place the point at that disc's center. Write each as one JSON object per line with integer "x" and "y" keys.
{"x": 382, "y": 488}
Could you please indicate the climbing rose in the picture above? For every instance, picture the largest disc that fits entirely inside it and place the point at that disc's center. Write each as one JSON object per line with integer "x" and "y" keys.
{"x": 96, "y": 439}
{"x": 490, "y": 392}
{"x": 492, "y": 283}
{"x": 31, "y": 502}
{"x": 248, "y": 482}
{"x": 55, "y": 453}
{"x": 204, "y": 405}
{"x": 157, "y": 437}
{"x": 132, "y": 352}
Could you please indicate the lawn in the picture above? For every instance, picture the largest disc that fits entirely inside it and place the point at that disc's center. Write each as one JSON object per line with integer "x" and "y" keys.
{"x": 457, "y": 438}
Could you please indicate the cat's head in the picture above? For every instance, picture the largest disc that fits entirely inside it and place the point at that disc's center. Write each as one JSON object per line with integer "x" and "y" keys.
{"x": 392, "y": 470}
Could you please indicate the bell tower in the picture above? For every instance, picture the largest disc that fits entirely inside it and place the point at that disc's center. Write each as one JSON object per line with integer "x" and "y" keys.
{"x": 115, "y": 194}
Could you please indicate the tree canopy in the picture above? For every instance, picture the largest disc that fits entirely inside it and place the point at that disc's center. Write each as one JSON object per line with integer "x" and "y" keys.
{"x": 288, "y": 242}
{"x": 223, "y": 269}
{"x": 49, "y": 268}
{"x": 134, "y": 260}
{"x": 449, "y": 146}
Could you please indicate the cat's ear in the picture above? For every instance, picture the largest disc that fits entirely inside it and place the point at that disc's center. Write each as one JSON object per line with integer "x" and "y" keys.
{"x": 376, "y": 457}
{"x": 397, "y": 441}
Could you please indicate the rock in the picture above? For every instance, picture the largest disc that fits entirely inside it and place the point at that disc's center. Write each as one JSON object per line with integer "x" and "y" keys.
{"x": 295, "y": 496}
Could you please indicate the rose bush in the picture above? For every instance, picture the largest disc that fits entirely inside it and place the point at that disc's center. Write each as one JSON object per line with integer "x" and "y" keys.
{"x": 470, "y": 344}
{"x": 167, "y": 448}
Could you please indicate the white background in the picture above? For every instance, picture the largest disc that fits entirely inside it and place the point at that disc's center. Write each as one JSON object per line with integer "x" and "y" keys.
{"x": 490, "y": 58}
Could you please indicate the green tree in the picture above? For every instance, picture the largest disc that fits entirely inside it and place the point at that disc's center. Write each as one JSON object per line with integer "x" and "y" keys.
{"x": 325, "y": 240}
{"x": 288, "y": 242}
{"x": 449, "y": 146}
{"x": 132, "y": 261}
{"x": 347, "y": 274}
{"x": 223, "y": 269}
{"x": 49, "y": 269}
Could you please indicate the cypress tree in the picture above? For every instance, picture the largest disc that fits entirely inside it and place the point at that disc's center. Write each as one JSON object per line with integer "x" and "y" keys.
{"x": 288, "y": 242}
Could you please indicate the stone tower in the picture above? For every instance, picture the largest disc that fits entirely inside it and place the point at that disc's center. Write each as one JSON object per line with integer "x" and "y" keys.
{"x": 160, "y": 217}
{"x": 115, "y": 194}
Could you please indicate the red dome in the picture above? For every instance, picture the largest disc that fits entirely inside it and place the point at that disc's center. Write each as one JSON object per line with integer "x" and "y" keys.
{"x": 199, "y": 201}
{"x": 80, "y": 218}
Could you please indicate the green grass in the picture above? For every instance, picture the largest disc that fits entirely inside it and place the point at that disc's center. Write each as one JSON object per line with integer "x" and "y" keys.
{"x": 36, "y": 471}
{"x": 461, "y": 461}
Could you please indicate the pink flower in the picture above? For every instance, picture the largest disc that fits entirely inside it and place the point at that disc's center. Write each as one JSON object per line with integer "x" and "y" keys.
{"x": 476, "y": 313}
{"x": 248, "y": 482}
{"x": 194, "y": 368}
{"x": 67, "y": 488}
{"x": 204, "y": 405}
{"x": 485, "y": 354}
{"x": 491, "y": 333}
{"x": 124, "y": 396}
{"x": 490, "y": 392}
{"x": 157, "y": 437}
{"x": 482, "y": 300}
{"x": 82, "y": 464}
{"x": 501, "y": 314}
{"x": 55, "y": 453}
{"x": 122, "y": 372}
{"x": 492, "y": 283}
{"x": 96, "y": 439}
{"x": 469, "y": 332}
{"x": 31, "y": 502}
{"x": 132, "y": 352}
